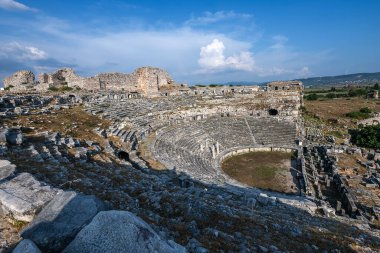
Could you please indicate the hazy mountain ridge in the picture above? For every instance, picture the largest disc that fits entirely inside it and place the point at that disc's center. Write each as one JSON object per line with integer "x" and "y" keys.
{"x": 358, "y": 78}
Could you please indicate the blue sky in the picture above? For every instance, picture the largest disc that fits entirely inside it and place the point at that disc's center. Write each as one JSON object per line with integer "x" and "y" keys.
{"x": 195, "y": 41}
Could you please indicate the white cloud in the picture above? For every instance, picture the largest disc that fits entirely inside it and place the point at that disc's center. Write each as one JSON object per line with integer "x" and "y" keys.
{"x": 21, "y": 52}
{"x": 14, "y": 5}
{"x": 244, "y": 61}
{"x": 214, "y": 17}
{"x": 279, "y": 41}
{"x": 304, "y": 72}
{"x": 212, "y": 58}
{"x": 189, "y": 54}
{"x": 212, "y": 55}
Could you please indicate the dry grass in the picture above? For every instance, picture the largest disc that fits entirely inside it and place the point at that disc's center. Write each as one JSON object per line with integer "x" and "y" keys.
{"x": 266, "y": 170}
{"x": 330, "y": 115}
{"x": 70, "y": 122}
{"x": 145, "y": 153}
{"x": 350, "y": 161}
{"x": 328, "y": 110}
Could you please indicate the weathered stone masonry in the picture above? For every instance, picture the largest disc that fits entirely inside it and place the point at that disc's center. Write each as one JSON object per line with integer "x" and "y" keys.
{"x": 147, "y": 81}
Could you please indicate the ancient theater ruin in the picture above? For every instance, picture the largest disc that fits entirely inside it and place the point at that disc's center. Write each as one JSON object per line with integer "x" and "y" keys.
{"x": 141, "y": 157}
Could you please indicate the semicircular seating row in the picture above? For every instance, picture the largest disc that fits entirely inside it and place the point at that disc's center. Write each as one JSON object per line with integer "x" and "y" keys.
{"x": 179, "y": 146}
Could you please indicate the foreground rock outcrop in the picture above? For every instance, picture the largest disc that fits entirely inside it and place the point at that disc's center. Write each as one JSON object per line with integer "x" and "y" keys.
{"x": 120, "y": 231}
{"x": 26, "y": 246}
{"x": 23, "y": 196}
{"x": 58, "y": 223}
{"x": 57, "y": 217}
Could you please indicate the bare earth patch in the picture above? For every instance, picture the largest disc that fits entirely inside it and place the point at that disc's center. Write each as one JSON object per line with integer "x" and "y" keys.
{"x": 265, "y": 170}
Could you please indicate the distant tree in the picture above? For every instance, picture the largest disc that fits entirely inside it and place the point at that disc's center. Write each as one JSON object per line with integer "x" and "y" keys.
{"x": 376, "y": 86}
{"x": 312, "y": 96}
{"x": 333, "y": 89}
{"x": 331, "y": 95}
{"x": 357, "y": 92}
{"x": 367, "y": 136}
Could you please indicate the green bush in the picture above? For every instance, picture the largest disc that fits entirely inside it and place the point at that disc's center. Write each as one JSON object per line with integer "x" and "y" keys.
{"x": 357, "y": 92}
{"x": 365, "y": 110}
{"x": 66, "y": 88}
{"x": 368, "y": 136}
{"x": 63, "y": 88}
{"x": 52, "y": 88}
{"x": 9, "y": 87}
{"x": 312, "y": 96}
{"x": 363, "y": 113}
{"x": 357, "y": 115}
{"x": 331, "y": 95}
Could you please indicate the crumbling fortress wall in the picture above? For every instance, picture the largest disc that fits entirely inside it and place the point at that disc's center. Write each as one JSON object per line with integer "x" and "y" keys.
{"x": 21, "y": 80}
{"x": 145, "y": 80}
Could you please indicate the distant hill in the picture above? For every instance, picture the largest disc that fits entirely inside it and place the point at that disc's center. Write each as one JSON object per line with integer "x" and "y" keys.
{"x": 353, "y": 79}
{"x": 242, "y": 83}
{"x": 237, "y": 83}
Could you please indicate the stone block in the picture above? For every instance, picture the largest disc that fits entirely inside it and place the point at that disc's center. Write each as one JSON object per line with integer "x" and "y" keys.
{"x": 14, "y": 136}
{"x": 60, "y": 220}
{"x": 26, "y": 246}
{"x": 23, "y": 196}
{"x": 120, "y": 231}
{"x": 3, "y": 134}
{"x": 6, "y": 169}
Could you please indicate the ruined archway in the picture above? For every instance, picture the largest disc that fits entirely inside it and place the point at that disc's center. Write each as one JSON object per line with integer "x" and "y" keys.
{"x": 273, "y": 112}
{"x": 123, "y": 155}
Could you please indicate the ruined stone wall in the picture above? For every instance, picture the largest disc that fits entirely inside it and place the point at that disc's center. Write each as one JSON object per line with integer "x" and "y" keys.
{"x": 150, "y": 80}
{"x": 145, "y": 80}
{"x": 117, "y": 81}
{"x": 20, "y": 80}
{"x": 285, "y": 85}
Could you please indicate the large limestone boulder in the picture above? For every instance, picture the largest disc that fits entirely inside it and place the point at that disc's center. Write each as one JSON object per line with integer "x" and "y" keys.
{"x": 26, "y": 246}
{"x": 120, "y": 231}
{"x": 3, "y": 135}
{"x": 19, "y": 79}
{"x": 58, "y": 223}
{"x": 23, "y": 196}
{"x": 6, "y": 169}
{"x": 14, "y": 136}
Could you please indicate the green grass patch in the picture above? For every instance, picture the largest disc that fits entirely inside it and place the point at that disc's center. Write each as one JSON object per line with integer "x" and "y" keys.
{"x": 363, "y": 113}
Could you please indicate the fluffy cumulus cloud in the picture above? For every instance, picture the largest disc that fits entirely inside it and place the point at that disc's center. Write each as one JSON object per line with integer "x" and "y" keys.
{"x": 14, "y": 5}
{"x": 212, "y": 58}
